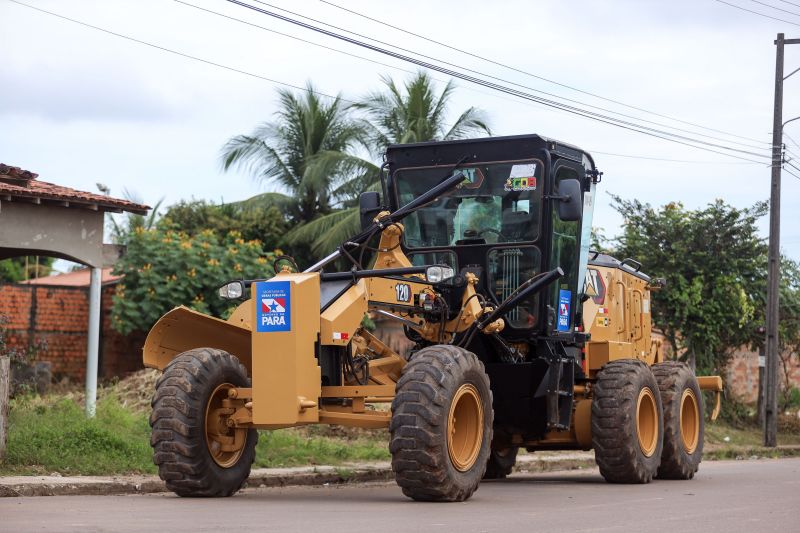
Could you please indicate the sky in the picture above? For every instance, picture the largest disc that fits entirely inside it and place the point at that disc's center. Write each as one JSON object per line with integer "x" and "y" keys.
{"x": 81, "y": 107}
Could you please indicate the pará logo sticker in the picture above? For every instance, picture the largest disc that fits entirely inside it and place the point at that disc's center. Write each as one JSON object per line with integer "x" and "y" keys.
{"x": 564, "y": 299}
{"x": 273, "y": 311}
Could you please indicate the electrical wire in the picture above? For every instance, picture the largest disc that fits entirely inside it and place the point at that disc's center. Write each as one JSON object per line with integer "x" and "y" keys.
{"x": 792, "y": 173}
{"x": 790, "y": 3}
{"x": 775, "y": 7}
{"x": 476, "y": 72}
{"x": 675, "y": 160}
{"x": 679, "y": 139}
{"x": 536, "y": 76}
{"x": 757, "y": 13}
{"x": 792, "y": 140}
{"x": 178, "y": 53}
{"x": 384, "y": 64}
{"x": 278, "y": 82}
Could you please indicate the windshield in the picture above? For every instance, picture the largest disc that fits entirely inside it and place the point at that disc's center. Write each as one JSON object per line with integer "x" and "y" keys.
{"x": 496, "y": 203}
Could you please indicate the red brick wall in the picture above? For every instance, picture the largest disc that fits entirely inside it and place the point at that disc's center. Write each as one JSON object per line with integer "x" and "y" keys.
{"x": 742, "y": 374}
{"x": 59, "y": 317}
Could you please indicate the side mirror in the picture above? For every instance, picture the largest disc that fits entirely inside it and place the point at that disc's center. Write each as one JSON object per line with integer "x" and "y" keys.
{"x": 570, "y": 208}
{"x": 369, "y": 205}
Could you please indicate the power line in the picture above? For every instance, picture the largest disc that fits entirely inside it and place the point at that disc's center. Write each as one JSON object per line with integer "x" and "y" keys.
{"x": 676, "y": 160}
{"x": 756, "y": 12}
{"x": 495, "y": 77}
{"x": 177, "y": 53}
{"x": 404, "y": 70}
{"x": 515, "y": 69}
{"x": 790, "y": 3}
{"x": 304, "y": 89}
{"x": 479, "y": 73}
{"x": 792, "y": 140}
{"x": 672, "y": 137}
{"x": 775, "y": 7}
{"x": 792, "y": 173}
{"x": 332, "y": 49}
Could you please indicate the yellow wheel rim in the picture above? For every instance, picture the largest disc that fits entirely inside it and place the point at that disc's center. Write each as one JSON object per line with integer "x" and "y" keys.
{"x": 225, "y": 444}
{"x": 465, "y": 427}
{"x": 690, "y": 421}
{"x": 647, "y": 422}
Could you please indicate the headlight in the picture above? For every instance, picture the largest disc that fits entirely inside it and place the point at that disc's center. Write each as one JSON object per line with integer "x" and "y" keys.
{"x": 435, "y": 274}
{"x": 232, "y": 290}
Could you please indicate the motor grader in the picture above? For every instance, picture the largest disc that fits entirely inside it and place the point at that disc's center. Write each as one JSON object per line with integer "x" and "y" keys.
{"x": 521, "y": 336}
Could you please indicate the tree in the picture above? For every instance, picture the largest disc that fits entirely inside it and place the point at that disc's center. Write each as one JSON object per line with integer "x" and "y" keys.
{"x": 393, "y": 116}
{"x": 416, "y": 114}
{"x": 265, "y": 223}
{"x": 304, "y": 152}
{"x": 21, "y": 268}
{"x": 164, "y": 267}
{"x": 714, "y": 264}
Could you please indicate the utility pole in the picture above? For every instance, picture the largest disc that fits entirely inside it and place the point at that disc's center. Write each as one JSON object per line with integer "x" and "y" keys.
{"x": 773, "y": 273}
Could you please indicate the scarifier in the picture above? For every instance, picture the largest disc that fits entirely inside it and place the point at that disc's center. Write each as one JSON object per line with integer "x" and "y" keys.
{"x": 522, "y": 336}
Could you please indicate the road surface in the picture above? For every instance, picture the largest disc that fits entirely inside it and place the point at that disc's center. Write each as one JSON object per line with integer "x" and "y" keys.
{"x": 727, "y": 496}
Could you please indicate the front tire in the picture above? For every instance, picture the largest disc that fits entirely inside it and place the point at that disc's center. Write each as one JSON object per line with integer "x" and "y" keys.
{"x": 683, "y": 420}
{"x": 441, "y": 425}
{"x": 627, "y": 422}
{"x": 196, "y": 453}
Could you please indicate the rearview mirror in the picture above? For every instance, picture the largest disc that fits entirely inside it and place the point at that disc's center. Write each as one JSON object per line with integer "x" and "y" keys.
{"x": 369, "y": 205}
{"x": 570, "y": 207}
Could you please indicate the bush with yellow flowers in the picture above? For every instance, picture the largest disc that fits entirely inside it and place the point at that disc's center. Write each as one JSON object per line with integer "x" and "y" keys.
{"x": 164, "y": 267}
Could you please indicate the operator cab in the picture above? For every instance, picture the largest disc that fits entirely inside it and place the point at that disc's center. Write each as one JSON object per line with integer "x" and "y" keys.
{"x": 520, "y": 211}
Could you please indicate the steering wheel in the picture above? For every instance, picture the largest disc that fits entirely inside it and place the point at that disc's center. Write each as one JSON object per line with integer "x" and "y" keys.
{"x": 500, "y": 236}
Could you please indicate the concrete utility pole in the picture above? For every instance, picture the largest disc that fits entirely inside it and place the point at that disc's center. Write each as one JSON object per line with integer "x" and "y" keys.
{"x": 93, "y": 341}
{"x": 773, "y": 274}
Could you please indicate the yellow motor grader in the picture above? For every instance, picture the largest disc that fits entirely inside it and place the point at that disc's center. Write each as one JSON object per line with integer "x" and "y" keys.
{"x": 522, "y": 336}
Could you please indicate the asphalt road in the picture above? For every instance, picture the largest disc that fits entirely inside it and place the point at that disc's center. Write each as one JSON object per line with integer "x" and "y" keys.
{"x": 729, "y": 496}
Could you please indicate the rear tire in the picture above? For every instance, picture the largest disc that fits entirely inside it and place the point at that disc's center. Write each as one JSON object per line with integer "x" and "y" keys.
{"x": 190, "y": 387}
{"x": 501, "y": 463}
{"x": 627, "y": 422}
{"x": 441, "y": 425}
{"x": 683, "y": 420}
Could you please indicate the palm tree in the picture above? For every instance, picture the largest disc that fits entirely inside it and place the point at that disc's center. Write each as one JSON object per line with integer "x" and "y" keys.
{"x": 416, "y": 114}
{"x": 394, "y": 116}
{"x": 304, "y": 152}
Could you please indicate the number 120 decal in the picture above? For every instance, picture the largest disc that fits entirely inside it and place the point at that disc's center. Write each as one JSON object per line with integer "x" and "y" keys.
{"x": 403, "y": 292}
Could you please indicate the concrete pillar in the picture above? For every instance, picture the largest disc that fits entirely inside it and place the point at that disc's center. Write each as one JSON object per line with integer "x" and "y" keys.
{"x": 93, "y": 343}
{"x": 5, "y": 387}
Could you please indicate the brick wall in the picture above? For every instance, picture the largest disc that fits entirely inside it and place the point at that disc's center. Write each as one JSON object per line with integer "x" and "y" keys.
{"x": 59, "y": 317}
{"x": 742, "y": 374}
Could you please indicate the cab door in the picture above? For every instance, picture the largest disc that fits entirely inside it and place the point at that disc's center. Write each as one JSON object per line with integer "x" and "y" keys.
{"x": 564, "y": 253}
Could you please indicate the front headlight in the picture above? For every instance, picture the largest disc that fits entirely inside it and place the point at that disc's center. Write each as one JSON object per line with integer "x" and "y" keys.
{"x": 232, "y": 290}
{"x": 435, "y": 274}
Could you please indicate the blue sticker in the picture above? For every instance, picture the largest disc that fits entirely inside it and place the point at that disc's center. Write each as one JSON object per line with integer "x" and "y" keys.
{"x": 564, "y": 299}
{"x": 273, "y": 306}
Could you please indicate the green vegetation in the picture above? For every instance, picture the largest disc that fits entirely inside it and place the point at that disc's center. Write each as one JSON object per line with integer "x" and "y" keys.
{"x": 715, "y": 268}
{"x": 52, "y": 434}
{"x": 22, "y": 268}
{"x": 165, "y": 267}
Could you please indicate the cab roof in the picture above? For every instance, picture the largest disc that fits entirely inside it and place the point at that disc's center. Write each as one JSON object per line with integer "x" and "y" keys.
{"x": 506, "y": 148}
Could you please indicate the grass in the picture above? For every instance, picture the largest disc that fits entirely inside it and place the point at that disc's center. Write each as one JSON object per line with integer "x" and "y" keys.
{"x": 51, "y": 434}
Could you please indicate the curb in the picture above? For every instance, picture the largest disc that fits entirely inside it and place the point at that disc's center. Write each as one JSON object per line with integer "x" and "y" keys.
{"x": 260, "y": 477}
{"x": 15, "y": 486}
